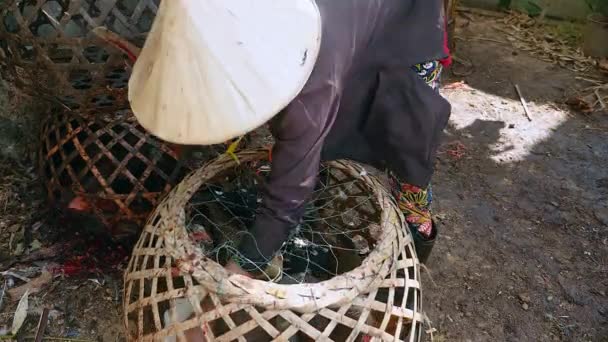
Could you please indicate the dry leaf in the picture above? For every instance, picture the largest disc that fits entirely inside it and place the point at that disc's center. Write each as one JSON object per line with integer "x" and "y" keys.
{"x": 35, "y": 245}
{"x": 527, "y": 35}
{"x": 2, "y": 295}
{"x": 278, "y": 293}
{"x": 580, "y": 103}
{"x": 34, "y": 286}
{"x": 20, "y": 313}
{"x": 19, "y": 249}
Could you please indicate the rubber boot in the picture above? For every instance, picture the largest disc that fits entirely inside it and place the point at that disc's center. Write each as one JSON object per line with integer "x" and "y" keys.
{"x": 424, "y": 246}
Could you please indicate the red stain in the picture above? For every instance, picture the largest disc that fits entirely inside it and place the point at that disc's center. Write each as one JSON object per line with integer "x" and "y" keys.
{"x": 97, "y": 259}
{"x": 457, "y": 150}
{"x": 79, "y": 204}
{"x": 107, "y": 206}
{"x": 132, "y": 56}
{"x": 200, "y": 237}
{"x": 177, "y": 149}
{"x": 456, "y": 85}
{"x": 447, "y": 61}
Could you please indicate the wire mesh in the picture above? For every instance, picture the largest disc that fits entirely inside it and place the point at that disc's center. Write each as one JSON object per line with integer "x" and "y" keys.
{"x": 339, "y": 223}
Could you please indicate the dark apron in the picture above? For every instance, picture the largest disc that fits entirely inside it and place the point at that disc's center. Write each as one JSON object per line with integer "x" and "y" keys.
{"x": 362, "y": 102}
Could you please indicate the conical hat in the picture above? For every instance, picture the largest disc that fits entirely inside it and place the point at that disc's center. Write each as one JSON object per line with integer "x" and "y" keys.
{"x": 212, "y": 70}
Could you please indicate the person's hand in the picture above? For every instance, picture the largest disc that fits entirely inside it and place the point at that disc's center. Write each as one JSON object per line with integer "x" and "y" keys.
{"x": 273, "y": 271}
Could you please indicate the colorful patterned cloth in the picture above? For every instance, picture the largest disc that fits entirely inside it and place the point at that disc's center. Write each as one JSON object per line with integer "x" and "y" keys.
{"x": 429, "y": 72}
{"x": 415, "y": 203}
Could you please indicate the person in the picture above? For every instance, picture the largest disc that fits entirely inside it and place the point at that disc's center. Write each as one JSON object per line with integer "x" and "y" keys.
{"x": 370, "y": 97}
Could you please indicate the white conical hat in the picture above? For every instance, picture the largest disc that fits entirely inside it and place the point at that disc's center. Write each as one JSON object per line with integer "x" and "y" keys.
{"x": 212, "y": 70}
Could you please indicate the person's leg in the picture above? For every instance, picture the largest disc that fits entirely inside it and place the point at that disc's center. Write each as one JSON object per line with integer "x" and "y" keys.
{"x": 415, "y": 202}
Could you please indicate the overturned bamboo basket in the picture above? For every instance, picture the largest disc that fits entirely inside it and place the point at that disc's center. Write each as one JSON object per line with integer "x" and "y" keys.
{"x": 117, "y": 169}
{"x": 175, "y": 289}
{"x": 48, "y": 48}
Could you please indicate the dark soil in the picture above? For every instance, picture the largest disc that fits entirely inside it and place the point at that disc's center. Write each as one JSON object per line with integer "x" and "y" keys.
{"x": 523, "y": 254}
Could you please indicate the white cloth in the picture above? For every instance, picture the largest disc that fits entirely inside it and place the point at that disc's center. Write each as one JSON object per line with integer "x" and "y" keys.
{"x": 213, "y": 70}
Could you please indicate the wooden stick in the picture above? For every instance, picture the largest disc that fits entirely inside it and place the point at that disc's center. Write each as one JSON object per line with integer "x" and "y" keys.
{"x": 483, "y": 39}
{"x": 598, "y": 82}
{"x": 117, "y": 41}
{"x": 2, "y": 294}
{"x": 600, "y": 100}
{"x": 44, "y": 319}
{"x": 61, "y": 339}
{"x": 481, "y": 12}
{"x": 523, "y": 102}
{"x": 14, "y": 275}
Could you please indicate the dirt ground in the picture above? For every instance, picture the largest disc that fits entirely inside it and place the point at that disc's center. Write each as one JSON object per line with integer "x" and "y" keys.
{"x": 522, "y": 206}
{"x": 523, "y": 254}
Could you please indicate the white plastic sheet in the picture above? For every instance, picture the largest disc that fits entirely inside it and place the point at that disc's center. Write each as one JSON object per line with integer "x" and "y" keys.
{"x": 216, "y": 69}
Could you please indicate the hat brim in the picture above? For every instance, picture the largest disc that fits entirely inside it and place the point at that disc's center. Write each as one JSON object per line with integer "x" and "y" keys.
{"x": 214, "y": 70}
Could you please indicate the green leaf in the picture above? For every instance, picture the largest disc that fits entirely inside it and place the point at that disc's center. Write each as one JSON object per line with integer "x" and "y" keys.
{"x": 532, "y": 8}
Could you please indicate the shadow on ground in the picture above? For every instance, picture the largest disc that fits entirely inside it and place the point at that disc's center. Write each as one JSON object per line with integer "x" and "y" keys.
{"x": 523, "y": 207}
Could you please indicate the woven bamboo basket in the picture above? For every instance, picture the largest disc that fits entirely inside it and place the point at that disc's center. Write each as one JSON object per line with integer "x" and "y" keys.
{"x": 47, "y": 48}
{"x": 376, "y": 300}
{"x": 118, "y": 169}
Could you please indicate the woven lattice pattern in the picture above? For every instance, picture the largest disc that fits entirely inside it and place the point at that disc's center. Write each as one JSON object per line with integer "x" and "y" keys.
{"x": 111, "y": 161}
{"x": 47, "y": 48}
{"x": 173, "y": 291}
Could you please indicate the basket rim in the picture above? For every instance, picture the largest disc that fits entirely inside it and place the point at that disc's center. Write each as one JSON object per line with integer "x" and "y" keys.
{"x": 304, "y": 298}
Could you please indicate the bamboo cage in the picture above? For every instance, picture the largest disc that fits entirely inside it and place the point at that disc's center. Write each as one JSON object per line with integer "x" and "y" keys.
{"x": 176, "y": 291}
{"x": 110, "y": 161}
{"x": 48, "y": 49}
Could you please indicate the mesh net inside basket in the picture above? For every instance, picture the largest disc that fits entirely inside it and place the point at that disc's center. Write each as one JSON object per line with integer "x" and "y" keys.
{"x": 48, "y": 48}
{"x": 118, "y": 169}
{"x": 340, "y": 228}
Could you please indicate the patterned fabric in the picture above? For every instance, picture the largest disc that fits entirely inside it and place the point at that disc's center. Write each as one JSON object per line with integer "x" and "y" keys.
{"x": 415, "y": 202}
{"x": 429, "y": 72}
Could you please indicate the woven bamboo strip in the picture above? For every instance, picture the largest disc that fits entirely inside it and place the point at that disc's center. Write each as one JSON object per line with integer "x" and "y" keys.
{"x": 108, "y": 158}
{"x": 49, "y": 48}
